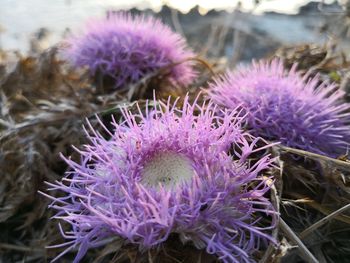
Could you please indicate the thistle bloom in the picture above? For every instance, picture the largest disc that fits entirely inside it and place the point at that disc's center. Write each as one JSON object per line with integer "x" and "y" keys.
{"x": 126, "y": 49}
{"x": 284, "y": 106}
{"x": 169, "y": 171}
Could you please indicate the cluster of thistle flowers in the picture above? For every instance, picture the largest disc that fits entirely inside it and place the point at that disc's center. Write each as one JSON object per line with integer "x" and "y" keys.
{"x": 281, "y": 105}
{"x": 127, "y": 49}
{"x": 298, "y": 111}
{"x": 169, "y": 170}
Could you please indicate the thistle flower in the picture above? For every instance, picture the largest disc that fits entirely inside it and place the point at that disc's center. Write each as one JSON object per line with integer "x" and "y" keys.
{"x": 126, "y": 49}
{"x": 168, "y": 171}
{"x": 284, "y": 106}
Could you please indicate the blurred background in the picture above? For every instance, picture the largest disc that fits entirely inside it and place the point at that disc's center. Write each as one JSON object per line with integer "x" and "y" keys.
{"x": 236, "y": 30}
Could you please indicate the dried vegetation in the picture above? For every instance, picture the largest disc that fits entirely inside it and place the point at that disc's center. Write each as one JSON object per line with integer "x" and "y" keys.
{"x": 43, "y": 106}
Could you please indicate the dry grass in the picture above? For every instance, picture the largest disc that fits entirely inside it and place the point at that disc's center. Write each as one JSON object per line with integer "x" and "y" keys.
{"x": 43, "y": 105}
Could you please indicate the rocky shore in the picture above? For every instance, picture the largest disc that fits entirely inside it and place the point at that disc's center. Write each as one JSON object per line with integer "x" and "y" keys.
{"x": 238, "y": 36}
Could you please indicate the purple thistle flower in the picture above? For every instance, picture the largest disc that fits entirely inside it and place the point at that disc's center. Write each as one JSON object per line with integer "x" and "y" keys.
{"x": 284, "y": 106}
{"x": 126, "y": 49}
{"x": 168, "y": 171}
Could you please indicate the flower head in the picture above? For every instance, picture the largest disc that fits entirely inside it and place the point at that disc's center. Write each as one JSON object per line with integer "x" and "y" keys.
{"x": 126, "y": 48}
{"x": 284, "y": 106}
{"x": 169, "y": 171}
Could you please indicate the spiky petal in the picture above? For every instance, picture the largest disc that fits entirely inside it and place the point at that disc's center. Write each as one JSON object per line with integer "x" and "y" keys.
{"x": 284, "y": 106}
{"x": 126, "y": 48}
{"x": 209, "y": 203}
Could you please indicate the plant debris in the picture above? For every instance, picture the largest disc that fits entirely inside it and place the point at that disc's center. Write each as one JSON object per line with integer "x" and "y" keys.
{"x": 43, "y": 106}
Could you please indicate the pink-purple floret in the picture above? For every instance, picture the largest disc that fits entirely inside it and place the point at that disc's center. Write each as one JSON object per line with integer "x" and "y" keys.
{"x": 215, "y": 210}
{"x": 127, "y": 49}
{"x": 284, "y": 106}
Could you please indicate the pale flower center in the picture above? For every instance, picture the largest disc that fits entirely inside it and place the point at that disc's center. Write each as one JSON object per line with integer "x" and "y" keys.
{"x": 168, "y": 169}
